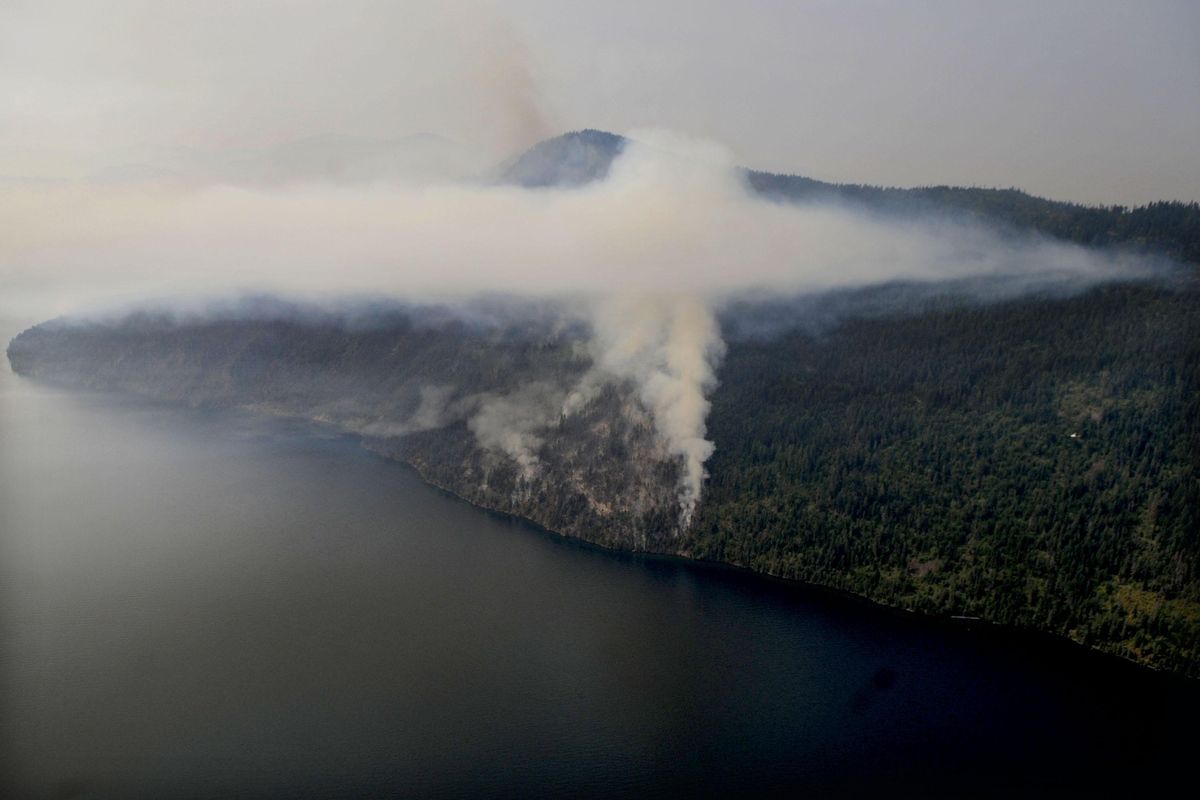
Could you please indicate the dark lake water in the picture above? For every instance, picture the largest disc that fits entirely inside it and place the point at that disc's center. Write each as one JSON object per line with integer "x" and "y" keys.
{"x": 208, "y": 605}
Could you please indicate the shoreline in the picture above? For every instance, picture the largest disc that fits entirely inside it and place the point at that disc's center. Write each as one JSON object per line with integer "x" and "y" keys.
{"x": 1027, "y": 639}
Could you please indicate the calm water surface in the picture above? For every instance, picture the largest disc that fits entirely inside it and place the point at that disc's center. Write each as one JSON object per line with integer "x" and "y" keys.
{"x": 208, "y": 605}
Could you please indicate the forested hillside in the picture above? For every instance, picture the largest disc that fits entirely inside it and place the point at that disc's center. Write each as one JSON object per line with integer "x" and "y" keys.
{"x": 474, "y": 405}
{"x": 1031, "y": 462}
{"x": 1170, "y": 229}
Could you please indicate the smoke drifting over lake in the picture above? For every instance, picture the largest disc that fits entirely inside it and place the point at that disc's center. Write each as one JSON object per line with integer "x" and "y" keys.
{"x": 673, "y": 216}
{"x": 644, "y": 257}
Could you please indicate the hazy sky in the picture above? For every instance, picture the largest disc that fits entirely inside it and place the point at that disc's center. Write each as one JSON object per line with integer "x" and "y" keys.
{"x": 1089, "y": 101}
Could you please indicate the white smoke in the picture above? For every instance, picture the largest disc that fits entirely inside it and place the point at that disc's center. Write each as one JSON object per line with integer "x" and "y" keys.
{"x": 648, "y": 252}
{"x": 673, "y": 217}
{"x": 668, "y": 347}
{"x": 436, "y": 408}
{"x": 510, "y": 423}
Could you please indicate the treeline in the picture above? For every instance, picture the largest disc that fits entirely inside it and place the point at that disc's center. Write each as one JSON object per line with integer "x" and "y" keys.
{"x": 1031, "y": 463}
{"x": 1167, "y": 228}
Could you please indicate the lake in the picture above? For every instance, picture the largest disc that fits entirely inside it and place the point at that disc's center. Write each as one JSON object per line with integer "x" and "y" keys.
{"x": 199, "y": 604}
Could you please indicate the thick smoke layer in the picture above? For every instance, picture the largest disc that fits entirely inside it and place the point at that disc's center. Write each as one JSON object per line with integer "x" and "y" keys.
{"x": 645, "y": 256}
{"x": 673, "y": 217}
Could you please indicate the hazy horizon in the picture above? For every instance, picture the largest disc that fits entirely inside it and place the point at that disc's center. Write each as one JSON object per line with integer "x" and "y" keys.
{"x": 1089, "y": 102}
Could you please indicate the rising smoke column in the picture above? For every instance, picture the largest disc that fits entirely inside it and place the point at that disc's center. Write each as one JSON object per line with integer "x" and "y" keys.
{"x": 668, "y": 347}
{"x": 512, "y": 423}
{"x": 671, "y": 231}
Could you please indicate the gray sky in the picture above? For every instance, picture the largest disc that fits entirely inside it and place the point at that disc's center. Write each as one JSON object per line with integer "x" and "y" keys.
{"x": 1093, "y": 101}
{"x": 1090, "y": 101}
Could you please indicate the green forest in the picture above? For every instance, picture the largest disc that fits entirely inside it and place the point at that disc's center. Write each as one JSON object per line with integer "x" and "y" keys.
{"x": 1031, "y": 463}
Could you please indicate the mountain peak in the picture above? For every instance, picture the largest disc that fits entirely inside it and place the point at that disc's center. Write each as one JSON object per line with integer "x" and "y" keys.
{"x": 570, "y": 159}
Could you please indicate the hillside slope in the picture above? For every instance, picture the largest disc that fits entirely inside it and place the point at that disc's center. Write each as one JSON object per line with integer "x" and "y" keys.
{"x": 1032, "y": 462}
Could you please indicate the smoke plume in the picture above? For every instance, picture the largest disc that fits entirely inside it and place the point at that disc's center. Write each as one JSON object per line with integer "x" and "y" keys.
{"x": 510, "y": 423}
{"x": 643, "y": 257}
{"x": 435, "y": 409}
{"x": 669, "y": 348}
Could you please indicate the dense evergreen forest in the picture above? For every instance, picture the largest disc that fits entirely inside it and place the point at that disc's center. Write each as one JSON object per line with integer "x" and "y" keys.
{"x": 1032, "y": 463}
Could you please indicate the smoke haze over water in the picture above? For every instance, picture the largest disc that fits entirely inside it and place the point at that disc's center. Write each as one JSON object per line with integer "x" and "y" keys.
{"x": 644, "y": 256}
{"x": 673, "y": 216}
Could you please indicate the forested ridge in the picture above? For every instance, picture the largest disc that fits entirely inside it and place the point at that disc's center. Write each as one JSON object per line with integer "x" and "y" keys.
{"x": 1166, "y": 228}
{"x": 1032, "y": 462}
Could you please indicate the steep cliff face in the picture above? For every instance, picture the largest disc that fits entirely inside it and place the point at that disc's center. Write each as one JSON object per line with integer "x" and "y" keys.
{"x": 479, "y": 410}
